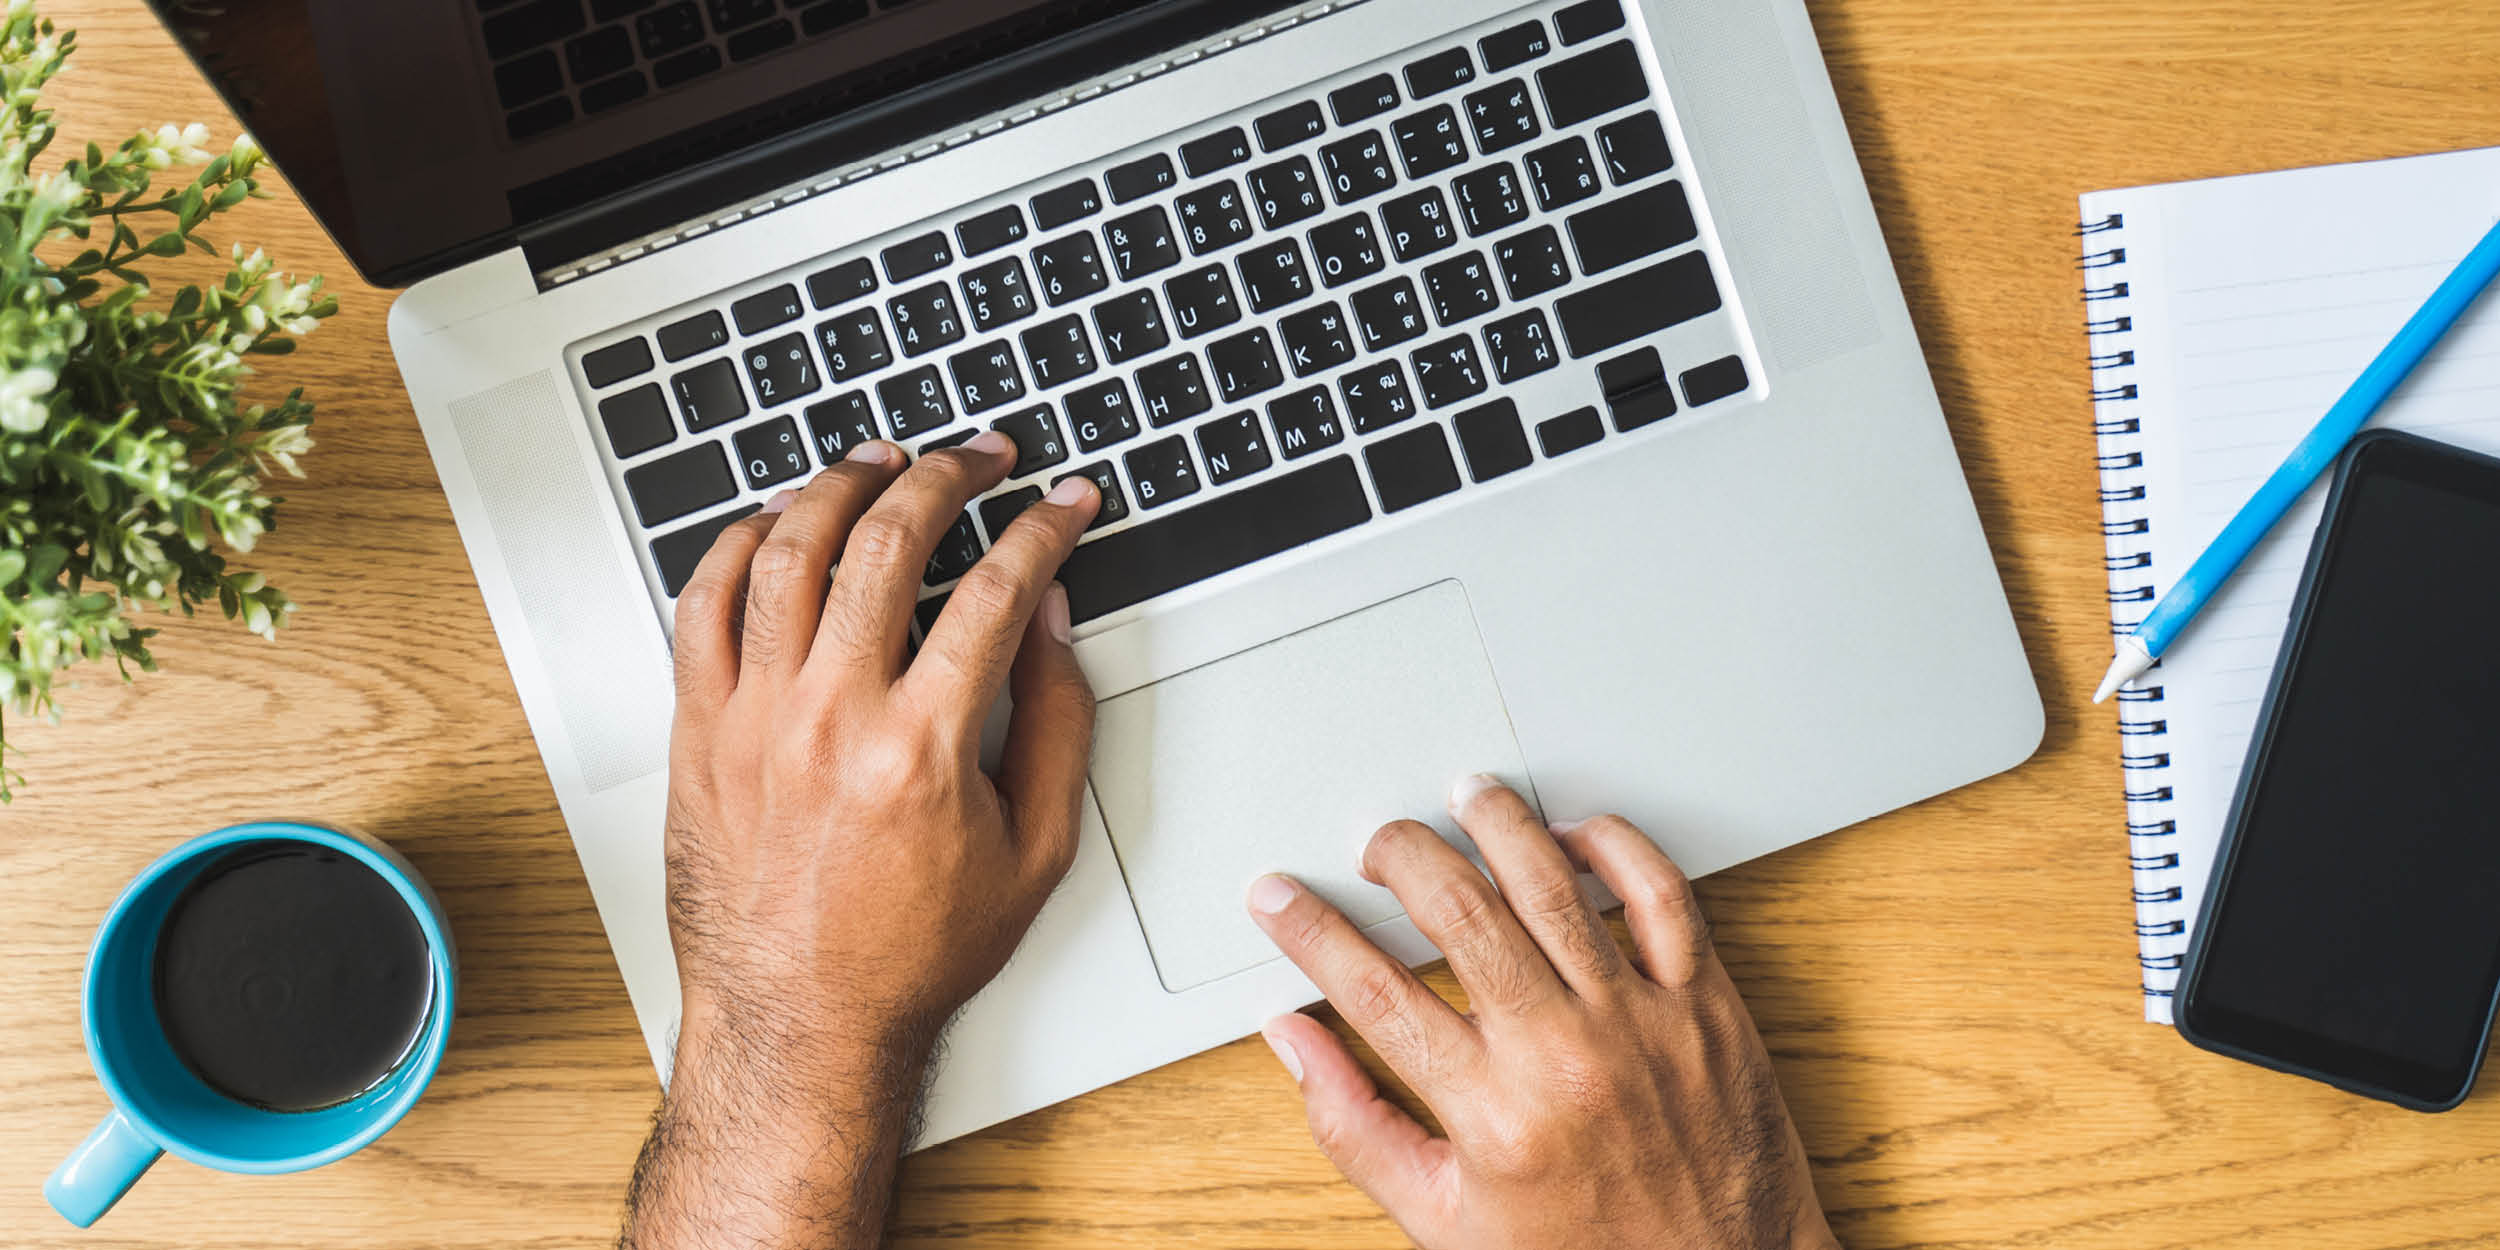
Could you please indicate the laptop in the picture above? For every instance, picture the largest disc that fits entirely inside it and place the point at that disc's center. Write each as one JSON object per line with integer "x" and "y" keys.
{"x": 1473, "y": 385}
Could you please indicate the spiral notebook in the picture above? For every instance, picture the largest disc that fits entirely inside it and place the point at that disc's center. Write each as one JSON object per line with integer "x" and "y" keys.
{"x": 2224, "y": 316}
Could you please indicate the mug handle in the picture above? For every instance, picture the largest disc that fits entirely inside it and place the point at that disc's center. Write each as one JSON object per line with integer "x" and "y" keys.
{"x": 101, "y": 1170}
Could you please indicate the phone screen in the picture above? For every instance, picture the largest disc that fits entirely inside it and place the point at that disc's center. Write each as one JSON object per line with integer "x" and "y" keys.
{"x": 2356, "y": 931}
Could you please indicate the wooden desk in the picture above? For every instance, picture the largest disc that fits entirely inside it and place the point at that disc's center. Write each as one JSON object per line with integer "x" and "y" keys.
{"x": 1949, "y": 990}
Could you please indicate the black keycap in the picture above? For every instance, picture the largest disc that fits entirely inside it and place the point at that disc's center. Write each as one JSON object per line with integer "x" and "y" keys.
{"x": 956, "y": 439}
{"x": 1000, "y": 511}
{"x": 1305, "y": 422}
{"x": 1562, "y": 174}
{"x": 1440, "y": 72}
{"x": 1627, "y": 228}
{"x": 700, "y": 333}
{"x": 1502, "y": 116}
{"x": 986, "y": 377}
{"x": 915, "y": 402}
{"x": 1346, "y": 250}
{"x": 1173, "y": 390}
{"x": 1635, "y": 148}
{"x": 818, "y": 18}
{"x": 685, "y": 67}
{"x": 1431, "y": 141}
{"x": 637, "y": 421}
{"x": 1532, "y": 263}
{"x": 678, "y": 555}
{"x": 1213, "y": 217}
{"x": 1060, "y": 351}
{"x": 843, "y": 283}
{"x": 1162, "y": 471}
{"x": 1234, "y": 447}
{"x": 770, "y": 454}
{"x": 1288, "y": 126}
{"x": 991, "y": 231}
{"x": 1516, "y": 45}
{"x": 957, "y": 552}
{"x": 1358, "y": 168}
{"x": 519, "y": 81}
{"x": 854, "y": 344}
{"x": 1060, "y": 205}
{"x": 1364, "y": 100}
{"x": 1411, "y": 468}
{"x": 1107, "y": 480}
{"x": 1131, "y": 325}
{"x": 1100, "y": 415}
{"x": 1141, "y": 178}
{"x": 1461, "y": 289}
{"x": 1583, "y": 22}
{"x": 839, "y": 424}
{"x": 1715, "y": 381}
{"x": 996, "y": 294}
{"x": 665, "y": 490}
{"x": 1570, "y": 432}
{"x": 1376, "y": 396}
{"x": 527, "y": 26}
{"x": 1446, "y": 372}
{"x": 617, "y": 361}
{"x": 1245, "y": 365}
{"x": 1493, "y": 440}
{"x": 610, "y": 10}
{"x": 1202, "y": 301}
{"x": 598, "y": 54}
{"x": 913, "y": 257}
{"x": 1287, "y": 192}
{"x": 1273, "y": 275}
{"x": 1235, "y": 529}
{"x": 1592, "y": 84}
{"x": 1221, "y": 150}
{"x": 729, "y": 15}
{"x": 1141, "y": 243}
{"x": 1490, "y": 199}
{"x": 1639, "y": 408}
{"x": 765, "y": 309}
{"x": 925, "y": 320}
{"x": 1637, "y": 304}
{"x": 607, "y": 93}
{"x": 1636, "y": 389}
{"x": 755, "y": 41}
{"x": 708, "y": 395}
{"x": 782, "y": 370}
{"x": 1418, "y": 224}
{"x": 666, "y": 30}
{"x": 1039, "y": 444}
{"x": 539, "y": 118}
{"x": 1520, "y": 347}
{"x": 1069, "y": 269}
{"x": 1317, "y": 339}
{"x": 1389, "y": 314}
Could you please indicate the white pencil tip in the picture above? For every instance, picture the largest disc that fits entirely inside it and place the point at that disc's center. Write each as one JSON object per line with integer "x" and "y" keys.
{"x": 2131, "y": 662}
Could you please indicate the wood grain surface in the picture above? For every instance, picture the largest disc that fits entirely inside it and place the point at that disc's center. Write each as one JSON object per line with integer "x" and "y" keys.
{"x": 1949, "y": 990}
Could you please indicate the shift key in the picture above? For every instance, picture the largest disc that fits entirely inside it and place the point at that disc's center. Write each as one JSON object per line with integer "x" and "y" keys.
{"x": 1637, "y": 304}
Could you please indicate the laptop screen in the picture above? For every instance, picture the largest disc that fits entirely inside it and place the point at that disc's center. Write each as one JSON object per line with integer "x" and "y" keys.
{"x": 425, "y": 133}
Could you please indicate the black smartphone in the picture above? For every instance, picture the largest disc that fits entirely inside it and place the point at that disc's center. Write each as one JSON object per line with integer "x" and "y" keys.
{"x": 2351, "y": 932}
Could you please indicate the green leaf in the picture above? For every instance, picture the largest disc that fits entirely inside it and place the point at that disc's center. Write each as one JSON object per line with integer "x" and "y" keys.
{"x": 186, "y": 302}
{"x": 46, "y": 565}
{"x": 12, "y": 563}
{"x": 232, "y": 195}
{"x": 273, "y": 347}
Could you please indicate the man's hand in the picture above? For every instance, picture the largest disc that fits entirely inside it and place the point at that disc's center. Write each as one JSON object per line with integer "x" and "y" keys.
{"x": 842, "y": 875}
{"x": 1591, "y": 1100}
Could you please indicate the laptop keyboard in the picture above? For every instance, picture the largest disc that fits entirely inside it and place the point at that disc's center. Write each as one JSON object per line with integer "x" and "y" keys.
{"x": 1251, "y": 338}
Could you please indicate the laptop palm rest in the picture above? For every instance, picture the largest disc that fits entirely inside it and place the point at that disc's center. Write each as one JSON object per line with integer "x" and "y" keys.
{"x": 1286, "y": 758}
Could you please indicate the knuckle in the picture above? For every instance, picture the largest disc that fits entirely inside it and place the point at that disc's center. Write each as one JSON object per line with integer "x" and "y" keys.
{"x": 882, "y": 539}
{"x": 776, "y": 564}
{"x": 1459, "y": 908}
{"x": 988, "y": 591}
{"x": 1375, "y": 994}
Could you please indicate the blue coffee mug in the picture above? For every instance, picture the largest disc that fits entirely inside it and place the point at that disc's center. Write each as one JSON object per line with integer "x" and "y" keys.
{"x": 159, "y": 1105}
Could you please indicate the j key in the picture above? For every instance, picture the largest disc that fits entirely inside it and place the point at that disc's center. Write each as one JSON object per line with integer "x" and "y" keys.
{"x": 1411, "y": 468}
{"x": 1431, "y": 141}
{"x": 986, "y": 377}
{"x": 1376, "y": 396}
{"x": 997, "y": 228}
{"x": 678, "y": 554}
{"x": 957, "y": 552}
{"x": 1317, "y": 340}
{"x": 1502, "y": 116}
{"x": 1234, "y": 447}
{"x": 1461, "y": 289}
{"x": 1202, "y": 301}
{"x": 1440, "y": 72}
{"x": 616, "y": 362}
{"x": 1358, "y": 168}
{"x": 665, "y": 490}
{"x": 1131, "y": 325}
{"x": 1060, "y": 205}
{"x": 1107, "y": 480}
{"x": 1224, "y": 533}
{"x": 1635, "y": 148}
{"x": 1492, "y": 440}
{"x": 854, "y": 344}
{"x": 782, "y": 370}
{"x": 1305, "y": 422}
{"x": 1100, "y": 415}
{"x": 1364, "y": 100}
{"x": 996, "y": 295}
{"x": 1163, "y": 472}
{"x": 1272, "y": 275}
{"x": 1141, "y": 243}
{"x": 1286, "y": 127}
{"x": 843, "y": 283}
{"x": 925, "y": 320}
{"x": 1244, "y": 365}
{"x": 1625, "y": 229}
{"x": 1000, "y": 511}
{"x": 1570, "y": 432}
{"x": 839, "y": 424}
{"x": 1491, "y": 199}
{"x": 1562, "y": 174}
{"x": 1592, "y": 84}
{"x": 1069, "y": 269}
{"x": 1039, "y": 444}
{"x": 1139, "y": 179}
{"x": 1173, "y": 390}
{"x": 765, "y": 309}
{"x": 915, "y": 402}
{"x": 1715, "y": 381}
{"x": 1447, "y": 372}
{"x": 1059, "y": 351}
{"x": 1517, "y": 45}
{"x": 1287, "y": 192}
{"x": 771, "y": 453}
{"x": 708, "y": 395}
{"x": 1532, "y": 263}
{"x": 694, "y": 334}
{"x": 1213, "y": 217}
{"x": 913, "y": 257}
{"x": 1520, "y": 347}
{"x": 1389, "y": 314}
{"x": 1346, "y": 249}
{"x": 1419, "y": 224}
{"x": 1221, "y": 150}
{"x": 1583, "y": 22}
{"x": 636, "y": 421}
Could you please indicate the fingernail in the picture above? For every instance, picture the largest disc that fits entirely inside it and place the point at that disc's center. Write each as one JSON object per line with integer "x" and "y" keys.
{"x": 1072, "y": 491}
{"x": 1468, "y": 788}
{"x": 874, "y": 451}
{"x": 1270, "y": 894}
{"x": 780, "y": 502}
{"x": 1566, "y": 826}
{"x": 991, "y": 443}
{"x": 1055, "y": 613}
{"x": 1284, "y": 1053}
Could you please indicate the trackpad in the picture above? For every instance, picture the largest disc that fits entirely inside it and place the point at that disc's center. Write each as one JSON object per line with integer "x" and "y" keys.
{"x": 1286, "y": 758}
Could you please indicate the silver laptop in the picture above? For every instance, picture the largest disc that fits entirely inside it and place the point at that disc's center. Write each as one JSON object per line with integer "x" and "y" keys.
{"x": 1475, "y": 385}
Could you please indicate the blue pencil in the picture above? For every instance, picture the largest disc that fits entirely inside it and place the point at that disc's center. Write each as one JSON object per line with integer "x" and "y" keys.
{"x": 2315, "y": 454}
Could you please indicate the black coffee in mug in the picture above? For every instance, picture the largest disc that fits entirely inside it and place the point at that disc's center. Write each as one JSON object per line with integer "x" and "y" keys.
{"x": 291, "y": 976}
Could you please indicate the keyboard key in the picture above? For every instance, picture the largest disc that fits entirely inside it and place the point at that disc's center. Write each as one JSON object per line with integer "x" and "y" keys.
{"x": 1570, "y": 432}
{"x": 1163, "y": 472}
{"x": 854, "y": 344}
{"x": 1224, "y": 533}
{"x": 956, "y": 439}
{"x": 678, "y": 555}
{"x": 1635, "y": 148}
{"x": 1202, "y": 301}
{"x": 1059, "y": 351}
{"x": 828, "y": 14}
{"x": 1376, "y": 396}
{"x": 1491, "y": 199}
{"x": 1131, "y": 325}
{"x": 1532, "y": 263}
{"x": 996, "y": 294}
{"x": 1389, "y": 314}
{"x": 608, "y": 93}
{"x": 1593, "y": 84}
{"x": 913, "y": 257}
{"x": 663, "y": 31}
{"x": 1173, "y": 390}
{"x": 755, "y": 41}
{"x": 843, "y": 283}
{"x": 1100, "y": 415}
{"x": 1364, "y": 100}
{"x": 765, "y": 309}
{"x": 1060, "y": 205}
{"x": 1637, "y": 304}
{"x": 522, "y": 27}
{"x": 1139, "y": 179}
{"x": 782, "y": 370}
{"x": 1213, "y": 217}
{"x": 665, "y": 490}
{"x": 700, "y": 333}
{"x": 1244, "y": 365}
{"x": 539, "y": 118}
{"x": 770, "y": 454}
{"x": 1715, "y": 381}
{"x": 1447, "y": 372}
{"x": 1287, "y": 193}
{"x": 915, "y": 402}
{"x": 1625, "y": 229}
{"x": 1234, "y": 447}
{"x": 1583, "y": 22}
{"x": 1430, "y": 141}
{"x": 617, "y": 361}
{"x": 1000, "y": 511}
{"x": 1461, "y": 289}
{"x": 1502, "y": 116}
{"x": 1305, "y": 422}
{"x": 1039, "y": 444}
{"x": 1286, "y": 127}
{"x": 730, "y": 15}
{"x": 1562, "y": 174}
{"x": 1221, "y": 150}
{"x": 1069, "y": 269}
{"x": 1636, "y": 389}
{"x": 1411, "y": 468}
{"x": 957, "y": 552}
{"x": 1440, "y": 72}
{"x": 1493, "y": 440}
{"x": 708, "y": 395}
{"x": 986, "y": 377}
{"x": 1107, "y": 480}
{"x": 1141, "y": 243}
{"x": 839, "y": 424}
{"x": 1419, "y": 224}
{"x": 997, "y": 228}
{"x": 685, "y": 67}
{"x": 1272, "y": 275}
{"x": 925, "y": 320}
{"x": 1358, "y": 168}
{"x": 1520, "y": 347}
{"x": 1517, "y": 45}
{"x": 637, "y": 421}
{"x": 1317, "y": 340}
{"x": 517, "y": 82}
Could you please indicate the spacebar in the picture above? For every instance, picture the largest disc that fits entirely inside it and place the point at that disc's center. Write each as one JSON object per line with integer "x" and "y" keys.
{"x": 1224, "y": 533}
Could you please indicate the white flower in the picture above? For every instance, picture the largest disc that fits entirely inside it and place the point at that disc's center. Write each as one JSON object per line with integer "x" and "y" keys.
{"x": 22, "y": 398}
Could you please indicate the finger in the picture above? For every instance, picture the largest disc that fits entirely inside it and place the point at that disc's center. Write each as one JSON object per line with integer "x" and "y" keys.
{"x": 1503, "y": 971}
{"x": 1050, "y": 740}
{"x": 786, "y": 590}
{"x": 1537, "y": 881}
{"x": 1658, "y": 902}
{"x": 1379, "y": 1147}
{"x": 1420, "y": 1037}
{"x": 708, "y": 609}
{"x": 977, "y": 637}
{"x": 878, "y": 583}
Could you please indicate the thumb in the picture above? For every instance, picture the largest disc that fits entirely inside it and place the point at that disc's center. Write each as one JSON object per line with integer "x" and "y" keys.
{"x": 1379, "y": 1147}
{"x": 1050, "y": 739}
